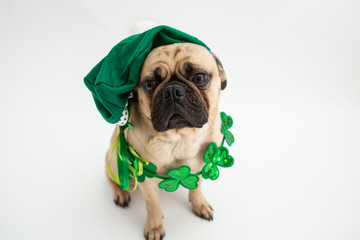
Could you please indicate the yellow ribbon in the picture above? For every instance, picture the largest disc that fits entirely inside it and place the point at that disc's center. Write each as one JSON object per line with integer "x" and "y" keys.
{"x": 132, "y": 169}
{"x": 141, "y": 160}
{"x": 115, "y": 178}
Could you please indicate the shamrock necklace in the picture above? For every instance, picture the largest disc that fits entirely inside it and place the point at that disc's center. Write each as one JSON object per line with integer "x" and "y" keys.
{"x": 131, "y": 166}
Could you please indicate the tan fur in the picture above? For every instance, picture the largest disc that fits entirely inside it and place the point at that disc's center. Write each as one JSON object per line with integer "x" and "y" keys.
{"x": 176, "y": 147}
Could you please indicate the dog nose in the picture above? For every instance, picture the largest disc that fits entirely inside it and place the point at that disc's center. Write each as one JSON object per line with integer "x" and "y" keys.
{"x": 173, "y": 92}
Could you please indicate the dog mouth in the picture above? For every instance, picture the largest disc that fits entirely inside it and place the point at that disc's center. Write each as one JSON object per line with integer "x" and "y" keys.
{"x": 177, "y": 121}
{"x": 184, "y": 109}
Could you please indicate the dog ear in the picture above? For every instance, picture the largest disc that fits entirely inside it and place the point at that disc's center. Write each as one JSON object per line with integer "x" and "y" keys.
{"x": 221, "y": 72}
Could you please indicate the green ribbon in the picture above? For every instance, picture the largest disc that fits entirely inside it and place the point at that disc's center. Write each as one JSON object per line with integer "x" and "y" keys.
{"x": 123, "y": 159}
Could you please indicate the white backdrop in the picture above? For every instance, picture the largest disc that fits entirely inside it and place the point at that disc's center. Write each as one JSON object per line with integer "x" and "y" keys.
{"x": 293, "y": 72}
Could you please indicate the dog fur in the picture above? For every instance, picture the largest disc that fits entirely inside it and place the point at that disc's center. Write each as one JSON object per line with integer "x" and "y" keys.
{"x": 171, "y": 148}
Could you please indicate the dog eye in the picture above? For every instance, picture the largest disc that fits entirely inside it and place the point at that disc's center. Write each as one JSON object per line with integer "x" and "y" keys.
{"x": 200, "y": 79}
{"x": 149, "y": 86}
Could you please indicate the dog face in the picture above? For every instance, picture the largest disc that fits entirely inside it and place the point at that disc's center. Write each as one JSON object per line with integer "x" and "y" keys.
{"x": 179, "y": 86}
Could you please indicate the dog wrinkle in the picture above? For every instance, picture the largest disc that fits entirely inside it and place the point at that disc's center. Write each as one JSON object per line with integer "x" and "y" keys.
{"x": 158, "y": 74}
{"x": 189, "y": 69}
{"x": 179, "y": 160}
{"x": 162, "y": 62}
{"x": 206, "y": 100}
{"x": 188, "y": 48}
{"x": 177, "y": 51}
{"x": 164, "y": 50}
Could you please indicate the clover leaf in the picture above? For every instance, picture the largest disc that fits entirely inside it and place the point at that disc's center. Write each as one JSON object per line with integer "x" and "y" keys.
{"x": 210, "y": 152}
{"x": 170, "y": 185}
{"x": 211, "y": 171}
{"x": 179, "y": 176}
{"x": 229, "y": 138}
{"x": 190, "y": 182}
{"x": 226, "y": 120}
{"x": 227, "y": 123}
{"x": 215, "y": 156}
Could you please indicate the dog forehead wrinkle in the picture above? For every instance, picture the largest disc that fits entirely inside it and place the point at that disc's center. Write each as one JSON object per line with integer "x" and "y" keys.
{"x": 177, "y": 51}
{"x": 156, "y": 73}
{"x": 189, "y": 67}
{"x": 188, "y": 48}
{"x": 159, "y": 74}
{"x": 161, "y": 49}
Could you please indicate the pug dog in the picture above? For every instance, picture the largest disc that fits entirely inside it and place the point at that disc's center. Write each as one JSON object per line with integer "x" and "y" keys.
{"x": 175, "y": 117}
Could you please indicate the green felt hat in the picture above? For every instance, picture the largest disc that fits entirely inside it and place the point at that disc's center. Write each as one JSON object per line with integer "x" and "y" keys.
{"x": 113, "y": 78}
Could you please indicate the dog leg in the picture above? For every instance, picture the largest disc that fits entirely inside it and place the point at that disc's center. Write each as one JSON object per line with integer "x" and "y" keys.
{"x": 154, "y": 229}
{"x": 121, "y": 197}
{"x": 200, "y": 206}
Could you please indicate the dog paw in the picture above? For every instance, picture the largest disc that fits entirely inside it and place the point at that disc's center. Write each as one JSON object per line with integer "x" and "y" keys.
{"x": 200, "y": 206}
{"x": 154, "y": 232}
{"x": 121, "y": 198}
{"x": 204, "y": 211}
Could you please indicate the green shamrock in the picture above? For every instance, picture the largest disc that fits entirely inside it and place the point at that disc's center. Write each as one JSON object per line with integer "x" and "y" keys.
{"x": 213, "y": 157}
{"x": 227, "y": 123}
{"x": 179, "y": 176}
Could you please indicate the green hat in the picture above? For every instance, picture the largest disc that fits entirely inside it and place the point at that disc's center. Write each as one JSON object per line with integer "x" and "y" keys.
{"x": 113, "y": 78}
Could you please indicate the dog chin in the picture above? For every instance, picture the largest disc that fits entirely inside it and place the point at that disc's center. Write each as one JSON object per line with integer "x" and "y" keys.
{"x": 176, "y": 121}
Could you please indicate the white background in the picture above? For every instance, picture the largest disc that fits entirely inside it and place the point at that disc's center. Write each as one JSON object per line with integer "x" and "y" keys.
{"x": 293, "y": 72}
